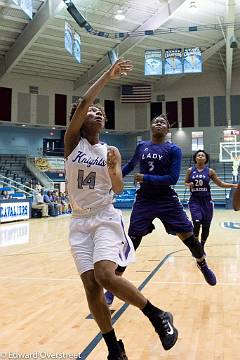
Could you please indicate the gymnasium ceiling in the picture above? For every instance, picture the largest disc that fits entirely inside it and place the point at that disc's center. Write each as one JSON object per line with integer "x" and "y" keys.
{"x": 36, "y": 47}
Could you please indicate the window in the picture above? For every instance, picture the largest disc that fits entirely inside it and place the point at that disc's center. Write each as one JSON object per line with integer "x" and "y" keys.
{"x": 197, "y": 140}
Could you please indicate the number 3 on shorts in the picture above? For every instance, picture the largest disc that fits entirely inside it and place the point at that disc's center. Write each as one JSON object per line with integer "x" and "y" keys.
{"x": 89, "y": 180}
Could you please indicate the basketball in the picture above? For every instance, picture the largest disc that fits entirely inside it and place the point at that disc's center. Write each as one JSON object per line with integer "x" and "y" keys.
{"x": 236, "y": 199}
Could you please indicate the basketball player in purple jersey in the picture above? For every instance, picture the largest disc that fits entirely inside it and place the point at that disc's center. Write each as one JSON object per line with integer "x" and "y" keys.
{"x": 197, "y": 179}
{"x": 97, "y": 237}
{"x": 160, "y": 163}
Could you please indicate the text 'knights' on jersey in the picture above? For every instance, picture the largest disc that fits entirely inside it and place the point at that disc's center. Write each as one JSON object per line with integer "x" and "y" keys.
{"x": 87, "y": 176}
{"x": 200, "y": 180}
{"x": 160, "y": 164}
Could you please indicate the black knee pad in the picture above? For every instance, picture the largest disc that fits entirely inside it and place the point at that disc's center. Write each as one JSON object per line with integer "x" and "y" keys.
{"x": 205, "y": 233}
{"x": 194, "y": 246}
{"x": 196, "y": 228}
{"x": 136, "y": 240}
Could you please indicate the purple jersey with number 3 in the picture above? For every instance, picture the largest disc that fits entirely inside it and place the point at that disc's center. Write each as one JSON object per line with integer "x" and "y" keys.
{"x": 160, "y": 164}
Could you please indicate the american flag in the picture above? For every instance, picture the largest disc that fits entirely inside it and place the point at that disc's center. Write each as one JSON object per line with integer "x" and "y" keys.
{"x": 136, "y": 94}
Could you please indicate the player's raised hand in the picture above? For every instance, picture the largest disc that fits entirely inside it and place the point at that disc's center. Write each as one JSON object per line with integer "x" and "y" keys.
{"x": 120, "y": 68}
{"x": 111, "y": 159}
{"x": 138, "y": 178}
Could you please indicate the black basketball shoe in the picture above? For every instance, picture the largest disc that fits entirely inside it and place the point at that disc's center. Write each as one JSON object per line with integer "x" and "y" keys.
{"x": 163, "y": 324}
{"x": 118, "y": 355}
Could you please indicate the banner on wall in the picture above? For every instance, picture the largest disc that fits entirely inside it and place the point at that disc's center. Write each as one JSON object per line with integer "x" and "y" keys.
{"x": 53, "y": 167}
{"x": 68, "y": 38}
{"x": 12, "y": 211}
{"x": 49, "y": 164}
{"x": 173, "y": 61}
{"x": 192, "y": 60}
{"x": 72, "y": 42}
{"x": 153, "y": 62}
{"x": 77, "y": 47}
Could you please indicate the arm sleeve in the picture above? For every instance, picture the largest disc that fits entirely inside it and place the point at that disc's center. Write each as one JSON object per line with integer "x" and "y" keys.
{"x": 173, "y": 176}
{"x": 126, "y": 169}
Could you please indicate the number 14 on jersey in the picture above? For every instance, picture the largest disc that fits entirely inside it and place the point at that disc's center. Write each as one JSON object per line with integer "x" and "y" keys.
{"x": 89, "y": 180}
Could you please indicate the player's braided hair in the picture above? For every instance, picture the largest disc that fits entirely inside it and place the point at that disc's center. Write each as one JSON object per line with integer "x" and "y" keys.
{"x": 75, "y": 105}
{"x": 163, "y": 116}
{"x": 206, "y": 154}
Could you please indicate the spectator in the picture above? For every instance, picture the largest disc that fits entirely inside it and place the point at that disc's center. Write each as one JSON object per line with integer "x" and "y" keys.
{"x": 68, "y": 202}
{"x": 57, "y": 202}
{"x": 64, "y": 203}
{"x": 38, "y": 186}
{"x": 47, "y": 198}
{"x": 5, "y": 195}
{"x": 38, "y": 203}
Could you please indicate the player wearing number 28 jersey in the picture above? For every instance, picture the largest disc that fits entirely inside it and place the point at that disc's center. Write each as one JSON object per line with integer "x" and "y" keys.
{"x": 200, "y": 202}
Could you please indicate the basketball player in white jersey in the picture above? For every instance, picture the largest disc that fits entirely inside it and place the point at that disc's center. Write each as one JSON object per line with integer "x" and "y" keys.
{"x": 97, "y": 237}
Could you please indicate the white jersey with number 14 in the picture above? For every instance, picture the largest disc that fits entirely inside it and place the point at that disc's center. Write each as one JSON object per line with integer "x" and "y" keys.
{"x": 88, "y": 181}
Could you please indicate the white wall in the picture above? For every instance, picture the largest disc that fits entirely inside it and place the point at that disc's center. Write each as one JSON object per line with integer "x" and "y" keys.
{"x": 204, "y": 84}
{"x": 130, "y": 117}
{"x": 26, "y": 141}
{"x": 211, "y": 139}
{"x": 21, "y": 83}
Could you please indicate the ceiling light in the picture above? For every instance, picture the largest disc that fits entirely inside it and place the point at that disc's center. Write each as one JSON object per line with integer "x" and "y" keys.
{"x": 119, "y": 15}
{"x": 23, "y": 125}
{"x": 193, "y": 6}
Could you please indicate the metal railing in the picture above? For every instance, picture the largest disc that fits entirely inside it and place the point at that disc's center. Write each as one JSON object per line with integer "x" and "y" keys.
{"x": 17, "y": 186}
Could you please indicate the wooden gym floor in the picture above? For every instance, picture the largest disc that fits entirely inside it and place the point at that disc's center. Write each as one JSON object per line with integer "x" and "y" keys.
{"x": 43, "y": 307}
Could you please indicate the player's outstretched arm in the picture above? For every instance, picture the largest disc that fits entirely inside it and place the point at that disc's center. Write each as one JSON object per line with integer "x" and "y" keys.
{"x": 71, "y": 137}
{"x": 127, "y": 168}
{"x": 219, "y": 182}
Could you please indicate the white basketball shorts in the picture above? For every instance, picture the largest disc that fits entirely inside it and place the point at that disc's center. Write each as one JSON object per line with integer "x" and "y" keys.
{"x": 100, "y": 236}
